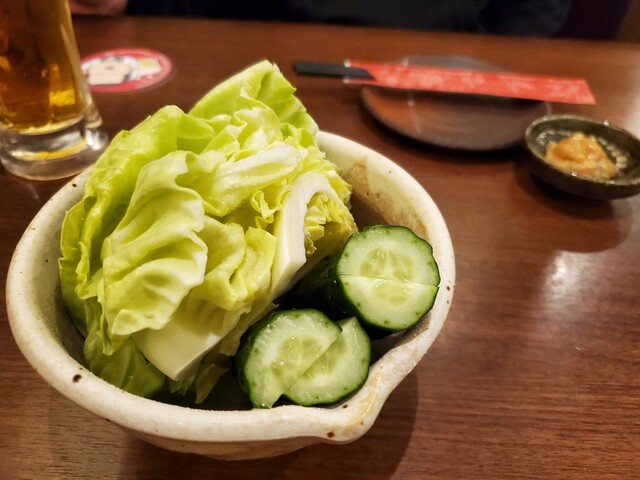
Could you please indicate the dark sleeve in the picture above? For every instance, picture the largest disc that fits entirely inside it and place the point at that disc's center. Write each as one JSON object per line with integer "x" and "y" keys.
{"x": 180, "y": 8}
{"x": 137, "y": 7}
{"x": 524, "y": 17}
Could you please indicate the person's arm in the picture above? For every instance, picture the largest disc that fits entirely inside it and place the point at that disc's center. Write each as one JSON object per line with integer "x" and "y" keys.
{"x": 97, "y": 7}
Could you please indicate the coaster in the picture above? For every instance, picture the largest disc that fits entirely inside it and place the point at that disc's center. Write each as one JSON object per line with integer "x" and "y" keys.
{"x": 126, "y": 70}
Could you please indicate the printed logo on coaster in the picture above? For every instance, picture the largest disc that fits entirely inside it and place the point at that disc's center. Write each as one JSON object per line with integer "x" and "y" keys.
{"x": 126, "y": 70}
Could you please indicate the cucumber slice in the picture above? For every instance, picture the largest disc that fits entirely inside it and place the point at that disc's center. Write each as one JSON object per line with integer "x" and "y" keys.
{"x": 279, "y": 349}
{"x": 386, "y": 276}
{"x": 390, "y": 253}
{"x": 397, "y": 305}
{"x": 339, "y": 372}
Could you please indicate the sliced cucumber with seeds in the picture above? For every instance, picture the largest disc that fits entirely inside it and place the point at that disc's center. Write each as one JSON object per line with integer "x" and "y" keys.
{"x": 385, "y": 275}
{"x": 277, "y": 350}
{"x": 339, "y": 371}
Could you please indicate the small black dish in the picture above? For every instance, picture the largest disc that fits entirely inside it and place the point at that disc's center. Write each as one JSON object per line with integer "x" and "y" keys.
{"x": 621, "y": 146}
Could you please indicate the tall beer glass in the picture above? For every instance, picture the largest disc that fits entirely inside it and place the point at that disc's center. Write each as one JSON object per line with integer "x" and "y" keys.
{"x": 49, "y": 125}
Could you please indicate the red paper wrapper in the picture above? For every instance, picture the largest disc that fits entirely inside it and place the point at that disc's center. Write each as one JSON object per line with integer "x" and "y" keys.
{"x": 460, "y": 80}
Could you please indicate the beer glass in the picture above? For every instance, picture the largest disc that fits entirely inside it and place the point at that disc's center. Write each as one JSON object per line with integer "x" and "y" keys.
{"x": 49, "y": 125}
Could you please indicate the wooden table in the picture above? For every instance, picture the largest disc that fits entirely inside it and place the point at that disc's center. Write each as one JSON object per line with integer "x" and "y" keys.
{"x": 537, "y": 371}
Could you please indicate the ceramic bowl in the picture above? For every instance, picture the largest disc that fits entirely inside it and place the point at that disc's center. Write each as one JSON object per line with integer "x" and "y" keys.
{"x": 620, "y": 145}
{"x": 383, "y": 193}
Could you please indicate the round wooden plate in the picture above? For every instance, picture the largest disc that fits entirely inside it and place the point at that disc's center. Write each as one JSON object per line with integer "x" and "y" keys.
{"x": 457, "y": 121}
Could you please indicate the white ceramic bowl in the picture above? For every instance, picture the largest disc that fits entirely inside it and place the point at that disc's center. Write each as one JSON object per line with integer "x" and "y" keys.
{"x": 49, "y": 341}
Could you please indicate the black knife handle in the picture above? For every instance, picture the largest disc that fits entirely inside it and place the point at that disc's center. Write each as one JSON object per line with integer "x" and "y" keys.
{"x": 330, "y": 70}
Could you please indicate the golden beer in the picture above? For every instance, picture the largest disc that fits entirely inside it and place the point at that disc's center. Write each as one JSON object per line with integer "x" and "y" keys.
{"x": 42, "y": 88}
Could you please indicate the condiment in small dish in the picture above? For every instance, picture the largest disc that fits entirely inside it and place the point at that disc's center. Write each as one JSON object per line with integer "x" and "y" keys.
{"x": 584, "y": 157}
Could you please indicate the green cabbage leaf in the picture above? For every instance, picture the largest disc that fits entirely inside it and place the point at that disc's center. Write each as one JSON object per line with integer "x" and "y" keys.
{"x": 171, "y": 252}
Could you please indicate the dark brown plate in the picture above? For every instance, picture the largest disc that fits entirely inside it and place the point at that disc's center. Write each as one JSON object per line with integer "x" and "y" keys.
{"x": 458, "y": 121}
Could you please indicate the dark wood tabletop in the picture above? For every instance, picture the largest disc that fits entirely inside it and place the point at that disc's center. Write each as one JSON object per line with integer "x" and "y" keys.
{"x": 536, "y": 373}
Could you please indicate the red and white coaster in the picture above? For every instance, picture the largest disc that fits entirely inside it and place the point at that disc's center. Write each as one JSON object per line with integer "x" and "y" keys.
{"x": 126, "y": 70}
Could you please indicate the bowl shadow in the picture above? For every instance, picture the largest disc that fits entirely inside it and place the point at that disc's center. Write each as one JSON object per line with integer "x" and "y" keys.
{"x": 376, "y": 454}
{"x": 615, "y": 214}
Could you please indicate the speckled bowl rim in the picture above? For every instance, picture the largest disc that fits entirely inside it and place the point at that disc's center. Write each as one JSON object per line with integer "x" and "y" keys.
{"x": 178, "y": 427}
